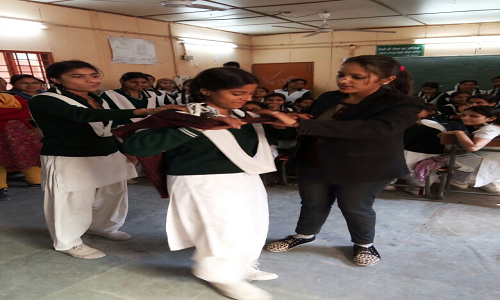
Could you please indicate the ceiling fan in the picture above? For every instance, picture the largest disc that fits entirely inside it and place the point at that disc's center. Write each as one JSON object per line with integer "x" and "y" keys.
{"x": 188, "y": 4}
{"x": 324, "y": 28}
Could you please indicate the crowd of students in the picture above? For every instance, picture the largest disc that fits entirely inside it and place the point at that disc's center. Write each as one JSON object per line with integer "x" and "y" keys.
{"x": 213, "y": 137}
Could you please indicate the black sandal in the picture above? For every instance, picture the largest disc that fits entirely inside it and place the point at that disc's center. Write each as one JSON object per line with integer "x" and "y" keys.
{"x": 288, "y": 243}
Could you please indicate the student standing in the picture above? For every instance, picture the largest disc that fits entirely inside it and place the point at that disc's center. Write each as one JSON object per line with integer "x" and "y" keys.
{"x": 351, "y": 150}
{"x": 294, "y": 89}
{"x": 218, "y": 203}
{"x": 83, "y": 173}
{"x": 132, "y": 95}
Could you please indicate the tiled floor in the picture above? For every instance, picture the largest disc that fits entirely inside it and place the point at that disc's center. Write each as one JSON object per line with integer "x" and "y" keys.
{"x": 430, "y": 250}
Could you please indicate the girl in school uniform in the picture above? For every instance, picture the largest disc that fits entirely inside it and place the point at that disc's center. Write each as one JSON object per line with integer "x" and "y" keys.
{"x": 83, "y": 172}
{"x": 468, "y": 85}
{"x": 218, "y": 203}
{"x": 169, "y": 91}
{"x": 294, "y": 89}
{"x": 478, "y": 167}
{"x": 452, "y": 111}
{"x": 351, "y": 150}
{"x": 132, "y": 95}
{"x": 495, "y": 91}
{"x": 260, "y": 93}
{"x": 430, "y": 92}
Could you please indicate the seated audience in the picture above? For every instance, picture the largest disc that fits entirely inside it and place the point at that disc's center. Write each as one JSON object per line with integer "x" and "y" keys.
{"x": 277, "y": 101}
{"x": 303, "y": 104}
{"x": 25, "y": 86}
{"x": 169, "y": 91}
{"x": 496, "y": 87}
{"x": 452, "y": 111}
{"x": 430, "y": 92}
{"x": 476, "y": 165}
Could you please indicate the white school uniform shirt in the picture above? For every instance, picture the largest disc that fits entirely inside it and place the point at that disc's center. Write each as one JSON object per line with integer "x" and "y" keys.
{"x": 293, "y": 96}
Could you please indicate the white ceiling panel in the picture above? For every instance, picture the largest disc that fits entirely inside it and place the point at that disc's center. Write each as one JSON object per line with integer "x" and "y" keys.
{"x": 379, "y": 22}
{"x": 340, "y": 9}
{"x": 259, "y": 16}
{"x": 435, "y": 6}
{"x": 459, "y": 18}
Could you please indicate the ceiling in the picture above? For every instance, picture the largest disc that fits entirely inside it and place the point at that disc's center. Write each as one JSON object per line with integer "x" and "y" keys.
{"x": 258, "y": 17}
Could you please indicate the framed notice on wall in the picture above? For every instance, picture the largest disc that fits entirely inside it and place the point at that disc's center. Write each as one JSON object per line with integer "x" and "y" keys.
{"x": 401, "y": 50}
{"x": 132, "y": 51}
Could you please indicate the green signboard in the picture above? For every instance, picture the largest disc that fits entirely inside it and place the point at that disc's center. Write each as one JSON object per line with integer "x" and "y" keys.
{"x": 401, "y": 50}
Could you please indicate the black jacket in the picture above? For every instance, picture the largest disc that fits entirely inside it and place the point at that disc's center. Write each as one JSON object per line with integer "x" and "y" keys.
{"x": 365, "y": 143}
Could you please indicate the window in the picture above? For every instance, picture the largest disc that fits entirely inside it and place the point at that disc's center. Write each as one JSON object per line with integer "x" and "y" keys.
{"x": 33, "y": 63}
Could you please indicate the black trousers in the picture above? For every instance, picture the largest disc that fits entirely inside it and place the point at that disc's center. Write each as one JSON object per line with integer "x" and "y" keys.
{"x": 354, "y": 200}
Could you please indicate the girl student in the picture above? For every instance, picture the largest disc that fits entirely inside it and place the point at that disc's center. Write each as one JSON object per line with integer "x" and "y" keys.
{"x": 83, "y": 173}
{"x": 294, "y": 89}
{"x": 430, "y": 92}
{"x": 478, "y": 167}
{"x": 352, "y": 149}
{"x": 277, "y": 102}
{"x": 458, "y": 102}
{"x": 218, "y": 203}
{"x": 483, "y": 100}
{"x": 468, "y": 85}
{"x": 132, "y": 95}
{"x": 495, "y": 91}
{"x": 260, "y": 93}
{"x": 168, "y": 89}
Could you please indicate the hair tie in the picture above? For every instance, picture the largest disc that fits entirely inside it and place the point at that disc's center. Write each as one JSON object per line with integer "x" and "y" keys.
{"x": 401, "y": 69}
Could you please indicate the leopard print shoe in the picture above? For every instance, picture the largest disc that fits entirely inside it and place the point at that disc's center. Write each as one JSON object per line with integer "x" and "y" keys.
{"x": 287, "y": 243}
{"x": 365, "y": 256}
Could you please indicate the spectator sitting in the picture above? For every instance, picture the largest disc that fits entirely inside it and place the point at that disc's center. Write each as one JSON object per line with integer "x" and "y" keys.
{"x": 303, "y": 104}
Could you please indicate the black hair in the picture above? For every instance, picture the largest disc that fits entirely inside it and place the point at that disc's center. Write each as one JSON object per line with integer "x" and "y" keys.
{"x": 18, "y": 77}
{"x": 275, "y": 95}
{"x": 184, "y": 91}
{"x": 454, "y": 94}
{"x": 263, "y": 88}
{"x": 476, "y": 89}
{"x": 384, "y": 67}
{"x": 487, "y": 111}
{"x": 149, "y": 75}
{"x": 433, "y": 85}
{"x": 55, "y": 70}
{"x": 303, "y": 98}
{"x": 133, "y": 75}
{"x": 216, "y": 79}
{"x": 496, "y": 77}
{"x": 232, "y": 64}
{"x": 431, "y": 107}
{"x": 285, "y": 87}
{"x": 262, "y": 105}
{"x": 487, "y": 98}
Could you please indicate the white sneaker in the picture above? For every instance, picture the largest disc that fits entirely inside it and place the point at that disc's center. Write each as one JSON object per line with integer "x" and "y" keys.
{"x": 84, "y": 251}
{"x": 254, "y": 273}
{"x": 389, "y": 188}
{"x": 461, "y": 186}
{"x": 242, "y": 291}
{"x": 115, "y": 236}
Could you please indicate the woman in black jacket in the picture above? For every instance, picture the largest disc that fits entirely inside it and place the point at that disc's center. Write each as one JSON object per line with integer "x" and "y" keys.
{"x": 351, "y": 149}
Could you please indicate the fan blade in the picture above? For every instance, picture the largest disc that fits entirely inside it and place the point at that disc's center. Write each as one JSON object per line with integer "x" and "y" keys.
{"x": 291, "y": 27}
{"x": 365, "y": 30}
{"x": 206, "y": 7}
{"x": 311, "y": 34}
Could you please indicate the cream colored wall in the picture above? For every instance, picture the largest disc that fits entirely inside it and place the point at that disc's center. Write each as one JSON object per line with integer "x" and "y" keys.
{"x": 81, "y": 34}
{"x": 328, "y": 50}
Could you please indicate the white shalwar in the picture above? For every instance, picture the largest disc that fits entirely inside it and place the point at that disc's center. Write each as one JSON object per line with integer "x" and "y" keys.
{"x": 225, "y": 216}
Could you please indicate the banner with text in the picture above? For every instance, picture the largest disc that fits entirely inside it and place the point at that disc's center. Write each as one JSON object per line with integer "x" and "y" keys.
{"x": 401, "y": 50}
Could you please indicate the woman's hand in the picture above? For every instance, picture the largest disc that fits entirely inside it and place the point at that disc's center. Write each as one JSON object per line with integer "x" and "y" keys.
{"x": 131, "y": 158}
{"x": 287, "y": 120}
